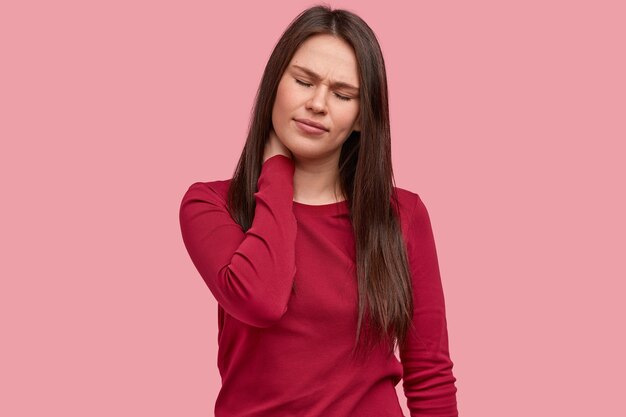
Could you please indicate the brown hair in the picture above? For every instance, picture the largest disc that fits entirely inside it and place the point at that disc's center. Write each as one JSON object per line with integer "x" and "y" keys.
{"x": 365, "y": 171}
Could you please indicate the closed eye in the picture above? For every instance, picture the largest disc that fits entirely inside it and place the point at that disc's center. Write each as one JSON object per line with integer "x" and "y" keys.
{"x": 302, "y": 83}
{"x": 309, "y": 85}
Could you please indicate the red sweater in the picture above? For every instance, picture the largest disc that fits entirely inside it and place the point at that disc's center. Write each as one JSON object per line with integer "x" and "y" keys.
{"x": 287, "y": 354}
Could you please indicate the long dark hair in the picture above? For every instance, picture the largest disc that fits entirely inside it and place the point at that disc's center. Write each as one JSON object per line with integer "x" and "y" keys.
{"x": 365, "y": 171}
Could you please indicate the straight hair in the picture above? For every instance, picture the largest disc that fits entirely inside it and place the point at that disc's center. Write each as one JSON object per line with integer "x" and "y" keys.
{"x": 385, "y": 302}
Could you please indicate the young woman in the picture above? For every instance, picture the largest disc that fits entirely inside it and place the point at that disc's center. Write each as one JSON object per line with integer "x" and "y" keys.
{"x": 321, "y": 267}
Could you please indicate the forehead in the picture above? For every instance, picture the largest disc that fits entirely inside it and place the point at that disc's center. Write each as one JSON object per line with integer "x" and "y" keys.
{"x": 328, "y": 56}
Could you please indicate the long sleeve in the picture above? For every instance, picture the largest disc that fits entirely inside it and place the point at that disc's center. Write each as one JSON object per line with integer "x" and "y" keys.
{"x": 250, "y": 274}
{"x": 428, "y": 380}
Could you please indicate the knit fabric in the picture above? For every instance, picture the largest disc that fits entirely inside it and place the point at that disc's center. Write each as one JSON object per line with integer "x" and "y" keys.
{"x": 285, "y": 351}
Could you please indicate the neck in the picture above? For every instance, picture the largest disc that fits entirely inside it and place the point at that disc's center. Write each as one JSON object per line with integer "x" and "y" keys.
{"x": 317, "y": 182}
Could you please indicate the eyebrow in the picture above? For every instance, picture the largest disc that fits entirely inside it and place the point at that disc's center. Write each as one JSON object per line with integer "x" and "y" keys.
{"x": 316, "y": 76}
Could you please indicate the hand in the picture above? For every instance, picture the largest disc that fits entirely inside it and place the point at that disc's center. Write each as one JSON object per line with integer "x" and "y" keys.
{"x": 273, "y": 147}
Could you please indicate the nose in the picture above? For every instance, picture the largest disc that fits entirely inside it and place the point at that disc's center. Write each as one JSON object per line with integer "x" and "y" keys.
{"x": 317, "y": 101}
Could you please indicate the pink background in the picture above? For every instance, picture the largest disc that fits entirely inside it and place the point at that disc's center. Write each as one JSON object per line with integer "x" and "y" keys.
{"x": 508, "y": 118}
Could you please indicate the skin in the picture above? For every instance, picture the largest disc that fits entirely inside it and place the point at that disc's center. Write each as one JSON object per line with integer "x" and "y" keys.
{"x": 316, "y": 158}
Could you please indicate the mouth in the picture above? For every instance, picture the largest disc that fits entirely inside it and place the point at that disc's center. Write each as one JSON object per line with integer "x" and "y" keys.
{"x": 309, "y": 130}
{"x": 313, "y": 124}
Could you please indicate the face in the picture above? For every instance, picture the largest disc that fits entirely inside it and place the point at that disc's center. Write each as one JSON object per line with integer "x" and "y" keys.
{"x": 320, "y": 84}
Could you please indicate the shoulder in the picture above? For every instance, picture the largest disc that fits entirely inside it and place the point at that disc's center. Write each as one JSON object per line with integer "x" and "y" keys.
{"x": 215, "y": 191}
{"x": 412, "y": 209}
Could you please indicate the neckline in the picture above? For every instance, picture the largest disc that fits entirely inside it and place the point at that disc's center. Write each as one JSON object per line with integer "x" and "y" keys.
{"x": 338, "y": 207}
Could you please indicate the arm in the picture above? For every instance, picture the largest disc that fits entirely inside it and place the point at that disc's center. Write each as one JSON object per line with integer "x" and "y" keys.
{"x": 428, "y": 381}
{"x": 250, "y": 274}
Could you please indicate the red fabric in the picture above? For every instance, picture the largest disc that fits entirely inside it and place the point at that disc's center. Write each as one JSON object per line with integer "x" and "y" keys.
{"x": 284, "y": 353}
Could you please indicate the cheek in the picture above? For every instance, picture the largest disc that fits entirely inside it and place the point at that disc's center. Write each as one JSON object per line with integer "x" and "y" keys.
{"x": 282, "y": 100}
{"x": 347, "y": 117}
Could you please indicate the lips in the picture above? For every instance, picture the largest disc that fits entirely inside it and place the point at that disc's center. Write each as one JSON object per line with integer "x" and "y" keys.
{"x": 312, "y": 123}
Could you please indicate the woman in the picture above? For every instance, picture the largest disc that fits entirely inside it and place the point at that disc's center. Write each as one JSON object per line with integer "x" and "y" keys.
{"x": 320, "y": 265}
